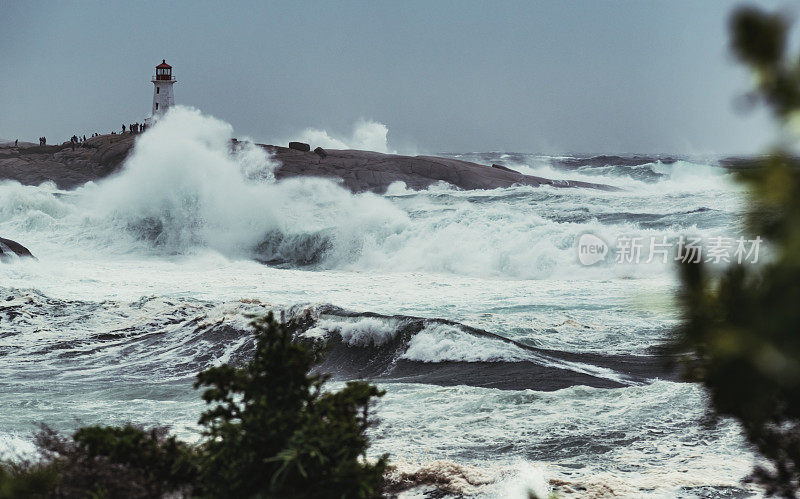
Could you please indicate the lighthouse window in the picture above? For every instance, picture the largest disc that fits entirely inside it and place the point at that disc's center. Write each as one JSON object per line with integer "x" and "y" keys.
{"x": 158, "y": 90}
{"x": 156, "y": 105}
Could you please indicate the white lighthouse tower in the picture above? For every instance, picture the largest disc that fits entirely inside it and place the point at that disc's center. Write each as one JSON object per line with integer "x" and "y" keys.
{"x": 163, "y": 98}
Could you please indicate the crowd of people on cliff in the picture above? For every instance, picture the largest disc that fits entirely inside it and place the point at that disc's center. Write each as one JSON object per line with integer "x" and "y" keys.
{"x": 77, "y": 140}
{"x": 135, "y": 127}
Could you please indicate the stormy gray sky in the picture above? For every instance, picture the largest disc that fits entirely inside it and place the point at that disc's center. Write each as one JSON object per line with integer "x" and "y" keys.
{"x": 529, "y": 76}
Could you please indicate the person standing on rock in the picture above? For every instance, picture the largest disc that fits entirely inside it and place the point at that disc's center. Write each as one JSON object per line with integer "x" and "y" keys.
{"x": 16, "y": 141}
{"x": 123, "y": 128}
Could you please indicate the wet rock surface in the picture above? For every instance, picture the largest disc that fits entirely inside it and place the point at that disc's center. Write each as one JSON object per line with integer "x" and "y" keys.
{"x": 373, "y": 171}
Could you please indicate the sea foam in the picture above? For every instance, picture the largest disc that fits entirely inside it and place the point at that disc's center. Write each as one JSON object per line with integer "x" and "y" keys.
{"x": 185, "y": 189}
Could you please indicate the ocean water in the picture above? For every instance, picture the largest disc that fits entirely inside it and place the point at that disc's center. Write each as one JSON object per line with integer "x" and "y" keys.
{"x": 508, "y": 364}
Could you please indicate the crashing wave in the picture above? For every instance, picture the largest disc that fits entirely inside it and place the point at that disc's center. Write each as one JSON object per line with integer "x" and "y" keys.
{"x": 179, "y": 337}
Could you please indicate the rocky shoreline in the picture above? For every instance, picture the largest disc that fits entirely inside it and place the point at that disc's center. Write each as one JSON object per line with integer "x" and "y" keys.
{"x": 362, "y": 171}
{"x": 64, "y": 165}
{"x": 98, "y": 157}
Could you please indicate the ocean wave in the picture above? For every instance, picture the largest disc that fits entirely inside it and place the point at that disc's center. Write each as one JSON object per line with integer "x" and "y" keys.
{"x": 367, "y": 135}
{"x": 443, "y": 343}
{"x": 644, "y": 171}
{"x": 437, "y": 351}
{"x": 176, "y": 338}
{"x": 474, "y": 396}
{"x": 653, "y": 440}
{"x": 185, "y": 189}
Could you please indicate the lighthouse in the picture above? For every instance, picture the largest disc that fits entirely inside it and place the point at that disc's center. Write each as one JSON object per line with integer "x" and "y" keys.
{"x": 163, "y": 98}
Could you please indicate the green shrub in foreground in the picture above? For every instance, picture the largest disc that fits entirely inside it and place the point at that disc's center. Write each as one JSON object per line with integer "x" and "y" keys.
{"x": 273, "y": 432}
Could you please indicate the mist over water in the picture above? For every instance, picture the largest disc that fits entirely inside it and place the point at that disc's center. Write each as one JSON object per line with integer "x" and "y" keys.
{"x": 501, "y": 353}
{"x": 366, "y": 135}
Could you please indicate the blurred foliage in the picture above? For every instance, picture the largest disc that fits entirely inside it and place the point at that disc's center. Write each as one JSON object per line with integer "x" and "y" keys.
{"x": 25, "y": 479}
{"x": 743, "y": 324}
{"x": 272, "y": 431}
